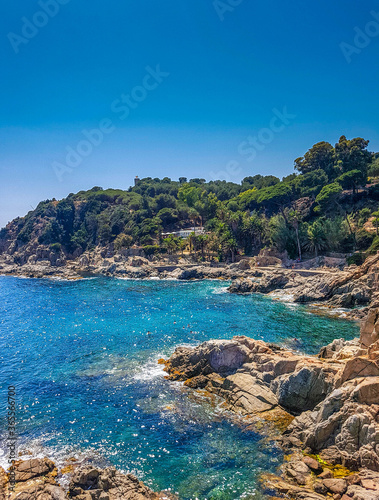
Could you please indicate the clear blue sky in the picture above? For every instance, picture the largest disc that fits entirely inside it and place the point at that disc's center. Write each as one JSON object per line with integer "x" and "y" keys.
{"x": 225, "y": 79}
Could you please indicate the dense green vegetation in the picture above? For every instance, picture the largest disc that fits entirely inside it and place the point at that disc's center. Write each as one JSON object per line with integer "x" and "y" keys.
{"x": 323, "y": 207}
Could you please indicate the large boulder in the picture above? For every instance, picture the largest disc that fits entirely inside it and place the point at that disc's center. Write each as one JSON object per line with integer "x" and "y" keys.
{"x": 344, "y": 427}
{"x": 302, "y": 390}
{"x": 35, "y": 480}
{"x": 218, "y": 356}
{"x": 90, "y": 483}
{"x": 367, "y": 392}
{"x": 370, "y": 328}
{"x": 340, "y": 349}
{"x": 39, "y": 491}
{"x": 35, "y": 467}
{"x": 256, "y": 376}
{"x": 226, "y": 356}
{"x": 267, "y": 283}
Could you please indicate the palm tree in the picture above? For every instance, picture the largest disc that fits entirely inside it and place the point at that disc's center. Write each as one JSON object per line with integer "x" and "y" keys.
{"x": 230, "y": 246}
{"x": 213, "y": 244}
{"x": 192, "y": 240}
{"x": 316, "y": 238}
{"x": 182, "y": 245}
{"x": 171, "y": 243}
{"x": 294, "y": 218}
{"x": 202, "y": 241}
{"x": 252, "y": 230}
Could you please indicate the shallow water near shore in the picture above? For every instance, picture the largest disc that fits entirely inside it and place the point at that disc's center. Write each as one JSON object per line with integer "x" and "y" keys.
{"x": 83, "y": 357}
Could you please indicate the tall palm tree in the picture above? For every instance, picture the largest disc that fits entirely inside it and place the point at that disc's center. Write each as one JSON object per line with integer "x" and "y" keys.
{"x": 213, "y": 244}
{"x": 192, "y": 240}
{"x": 252, "y": 229}
{"x": 182, "y": 245}
{"x": 316, "y": 238}
{"x": 294, "y": 219}
{"x": 202, "y": 241}
{"x": 230, "y": 247}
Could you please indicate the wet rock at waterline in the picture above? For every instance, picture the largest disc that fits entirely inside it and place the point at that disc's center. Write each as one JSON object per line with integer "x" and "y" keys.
{"x": 36, "y": 479}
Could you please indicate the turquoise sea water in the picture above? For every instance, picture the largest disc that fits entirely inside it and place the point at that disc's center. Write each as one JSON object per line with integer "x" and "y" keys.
{"x": 87, "y": 378}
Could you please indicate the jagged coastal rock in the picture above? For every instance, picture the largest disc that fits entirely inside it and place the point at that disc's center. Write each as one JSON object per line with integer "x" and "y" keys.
{"x": 353, "y": 288}
{"x": 100, "y": 263}
{"x": 36, "y": 479}
{"x": 356, "y": 289}
{"x": 329, "y": 404}
{"x": 253, "y": 376}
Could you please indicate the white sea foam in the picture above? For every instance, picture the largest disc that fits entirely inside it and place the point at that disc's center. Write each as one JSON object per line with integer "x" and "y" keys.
{"x": 281, "y": 295}
{"x": 150, "y": 370}
{"x": 218, "y": 291}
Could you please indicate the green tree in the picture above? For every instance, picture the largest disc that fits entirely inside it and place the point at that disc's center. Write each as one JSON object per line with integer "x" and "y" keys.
{"x": 123, "y": 241}
{"x": 182, "y": 245}
{"x": 253, "y": 231}
{"x": 373, "y": 170}
{"x": 171, "y": 243}
{"x": 352, "y": 179}
{"x": 168, "y": 216}
{"x": 336, "y": 232}
{"x": 311, "y": 183}
{"x": 202, "y": 241}
{"x": 320, "y": 156}
{"x": 278, "y": 196}
{"x": 190, "y": 194}
{"x": 105, "y": 233}
{"x": 328, "y": 196}
{"x": 282, "y": 236}
{"x": 353, "y": 155}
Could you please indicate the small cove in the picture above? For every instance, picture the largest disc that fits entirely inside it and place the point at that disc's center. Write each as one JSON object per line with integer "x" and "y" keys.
{"x": 83, "y": 357}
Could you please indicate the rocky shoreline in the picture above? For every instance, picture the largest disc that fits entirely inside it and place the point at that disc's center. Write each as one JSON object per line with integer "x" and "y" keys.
{"x": 354, "y": 289}
{"x": 122, "y": 267}
{"x": 39, "y": 479}
{"x": 298, "y": 285}
{"x": 326, "y": 407}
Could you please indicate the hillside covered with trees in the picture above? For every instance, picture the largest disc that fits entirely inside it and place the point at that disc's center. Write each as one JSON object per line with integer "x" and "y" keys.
{"x": 330, "y": 204}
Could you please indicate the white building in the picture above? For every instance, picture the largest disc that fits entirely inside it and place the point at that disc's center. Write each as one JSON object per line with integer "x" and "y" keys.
{"x": 184, "y": 233}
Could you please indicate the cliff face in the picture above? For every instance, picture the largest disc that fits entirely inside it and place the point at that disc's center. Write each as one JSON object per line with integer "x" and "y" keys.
{"x": 331, "y": 402}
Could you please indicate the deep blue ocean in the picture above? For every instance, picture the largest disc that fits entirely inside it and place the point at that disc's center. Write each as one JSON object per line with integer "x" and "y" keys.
{"x": 87, "y": 379}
